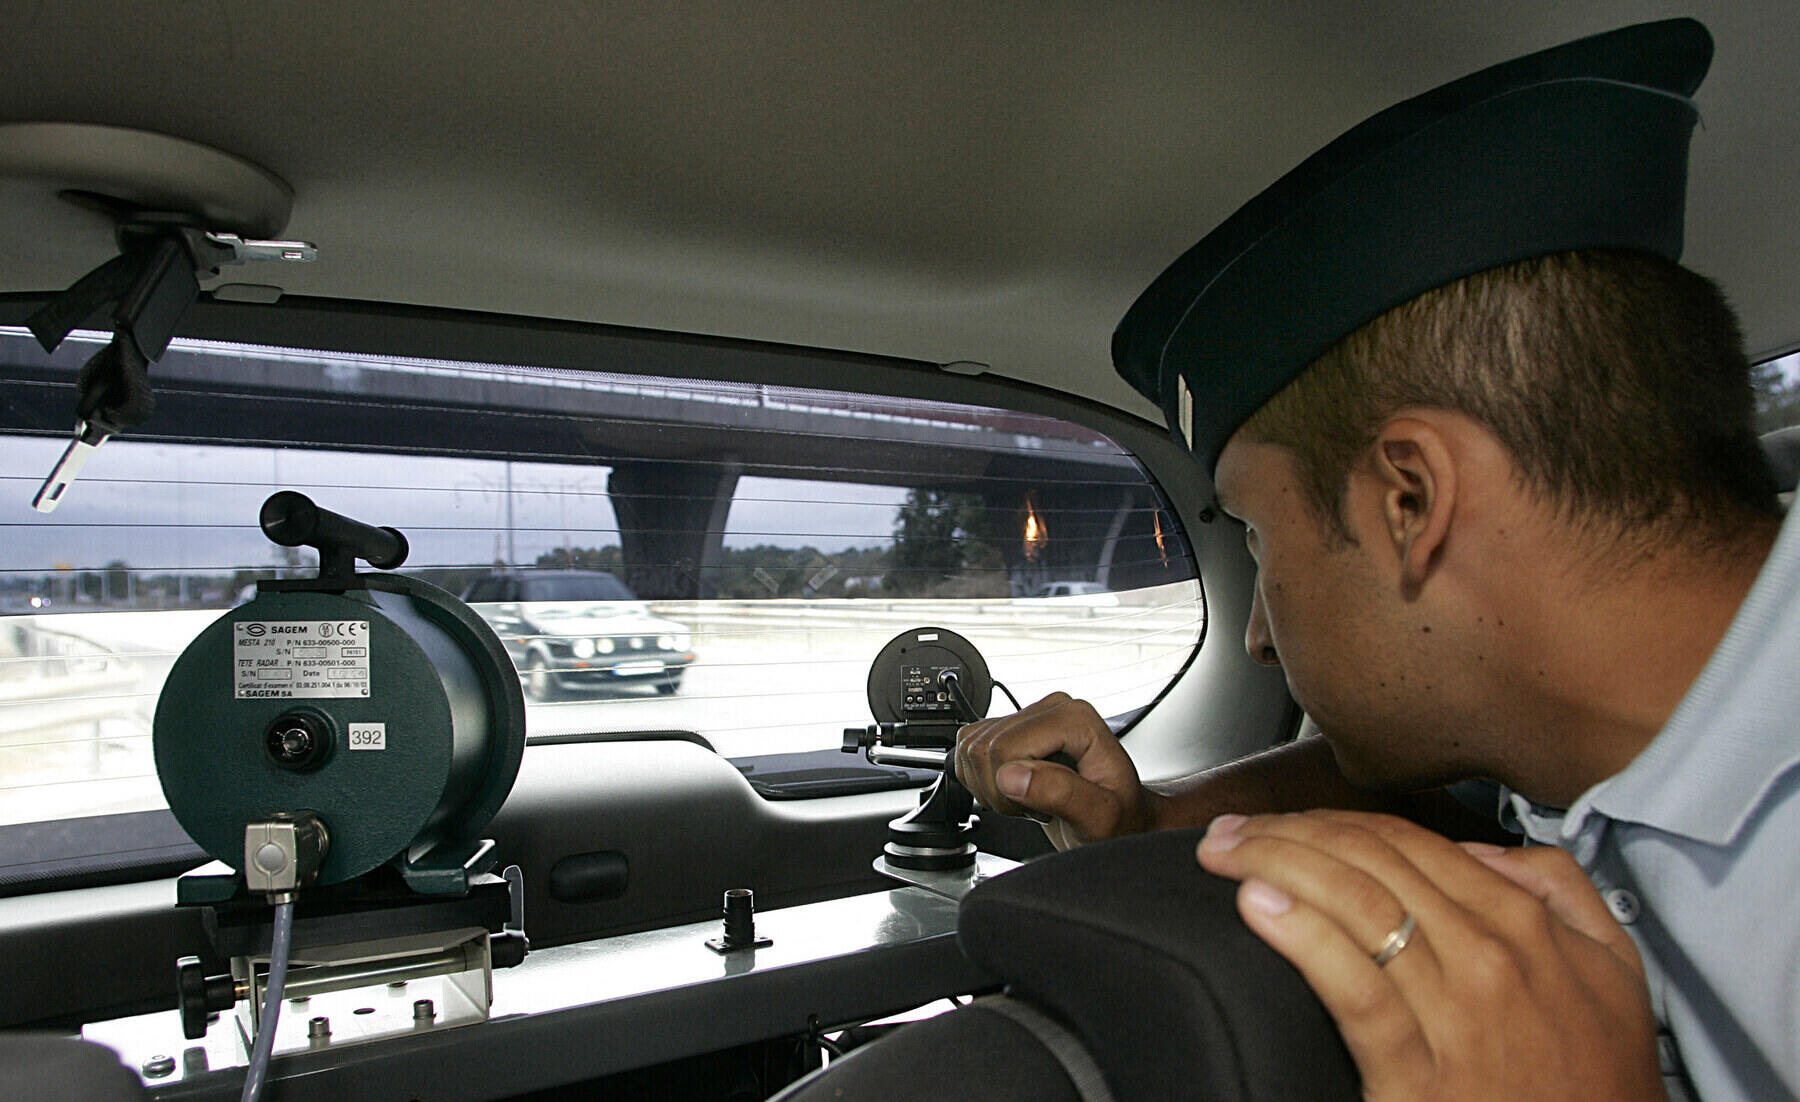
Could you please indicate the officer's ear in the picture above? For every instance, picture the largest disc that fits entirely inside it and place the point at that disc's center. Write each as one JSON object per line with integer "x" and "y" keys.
{"x": 1414, "y": 472}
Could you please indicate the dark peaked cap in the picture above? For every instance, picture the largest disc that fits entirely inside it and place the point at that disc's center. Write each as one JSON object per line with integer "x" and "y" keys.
{"x": 1580, "y": 146}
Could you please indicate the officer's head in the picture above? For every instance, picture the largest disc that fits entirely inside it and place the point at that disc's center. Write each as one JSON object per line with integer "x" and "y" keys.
{"x": 1505, "y": 247}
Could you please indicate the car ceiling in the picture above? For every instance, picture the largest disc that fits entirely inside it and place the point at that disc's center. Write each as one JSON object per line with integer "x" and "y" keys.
{"x": 941, "y": 182}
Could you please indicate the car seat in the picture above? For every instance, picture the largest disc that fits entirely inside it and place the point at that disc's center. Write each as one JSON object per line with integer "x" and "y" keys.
{"x": 1132, "y": 977}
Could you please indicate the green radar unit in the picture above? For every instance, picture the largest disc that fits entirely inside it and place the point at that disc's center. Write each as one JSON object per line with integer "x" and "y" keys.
{"x": 338, "y": 744}
{"x": 378, "y": 703}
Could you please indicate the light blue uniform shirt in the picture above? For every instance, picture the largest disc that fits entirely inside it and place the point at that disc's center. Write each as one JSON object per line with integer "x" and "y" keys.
{"x": 1695, "y": 847}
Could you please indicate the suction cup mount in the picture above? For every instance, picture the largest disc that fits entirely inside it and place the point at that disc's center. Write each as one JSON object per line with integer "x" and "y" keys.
{"x": 923, "y": 685}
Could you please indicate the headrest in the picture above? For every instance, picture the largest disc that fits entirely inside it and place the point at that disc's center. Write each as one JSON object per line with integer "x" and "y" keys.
{"x": 1580, "y": 146}
{"x": 1142, "y": 953}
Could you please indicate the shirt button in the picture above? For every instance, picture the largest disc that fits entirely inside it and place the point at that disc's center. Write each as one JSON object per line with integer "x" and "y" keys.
{"x": 1623, "y": 905}
{"x": 1669, "y": 1054}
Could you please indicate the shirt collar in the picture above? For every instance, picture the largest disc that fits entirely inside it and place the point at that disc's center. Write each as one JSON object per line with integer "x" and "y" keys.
{"x": 1733, "y": 734}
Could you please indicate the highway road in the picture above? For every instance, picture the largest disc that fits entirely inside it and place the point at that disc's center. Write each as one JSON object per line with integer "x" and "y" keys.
{"x": 758, "y": 690}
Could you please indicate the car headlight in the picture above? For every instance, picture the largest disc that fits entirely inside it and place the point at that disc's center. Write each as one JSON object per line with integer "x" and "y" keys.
{"x": 606, "y": 646}
{"x": 583, "y": 648}
{"x": 665, "y": 642}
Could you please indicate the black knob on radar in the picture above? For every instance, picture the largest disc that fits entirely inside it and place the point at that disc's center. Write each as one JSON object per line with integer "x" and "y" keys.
{"x": 291, "y": 519}
{"x": 200, "y": 996}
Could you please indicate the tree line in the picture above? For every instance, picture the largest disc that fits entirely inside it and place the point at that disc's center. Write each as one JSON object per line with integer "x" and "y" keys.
{"x": 941, "y": 547}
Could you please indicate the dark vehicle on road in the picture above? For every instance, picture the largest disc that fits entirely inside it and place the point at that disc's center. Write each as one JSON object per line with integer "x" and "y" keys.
{"x": 581, "y": 629}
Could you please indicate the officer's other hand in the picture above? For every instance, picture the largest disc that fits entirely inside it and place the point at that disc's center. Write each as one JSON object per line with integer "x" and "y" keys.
{"x": 1516, "y": 981}
{"x": 1001, "y": 761}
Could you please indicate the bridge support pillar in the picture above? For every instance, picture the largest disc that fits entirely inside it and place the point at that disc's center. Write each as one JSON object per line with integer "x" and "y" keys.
{"x": 672, "y": 525}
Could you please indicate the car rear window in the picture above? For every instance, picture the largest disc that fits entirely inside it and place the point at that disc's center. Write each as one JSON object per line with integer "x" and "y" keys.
{"x": 1777, "y": 384}
{"x": 658, "y": 554}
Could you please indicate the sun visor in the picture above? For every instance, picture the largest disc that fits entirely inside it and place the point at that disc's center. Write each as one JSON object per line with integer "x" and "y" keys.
{"x": 1580, "y": 146}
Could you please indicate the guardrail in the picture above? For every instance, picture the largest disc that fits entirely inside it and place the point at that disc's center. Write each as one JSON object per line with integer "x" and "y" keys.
{"x": 827, "y": 623}
{"x": 1023, "y": 614}
{"x": 51, "y": 680}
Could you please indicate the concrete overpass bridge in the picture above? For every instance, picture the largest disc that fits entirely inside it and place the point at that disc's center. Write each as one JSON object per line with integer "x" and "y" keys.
{"x": 676, "y": 448}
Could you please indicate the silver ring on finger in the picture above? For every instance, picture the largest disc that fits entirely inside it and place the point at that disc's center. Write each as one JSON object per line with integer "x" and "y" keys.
{"x": 1398, "y": 938}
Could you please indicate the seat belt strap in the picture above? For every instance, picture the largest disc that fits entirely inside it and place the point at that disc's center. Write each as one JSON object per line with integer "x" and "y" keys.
{"x": 1076, "y": 1062}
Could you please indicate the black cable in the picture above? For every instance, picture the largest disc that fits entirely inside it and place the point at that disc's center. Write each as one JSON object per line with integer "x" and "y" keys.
{"x": 969, "y": 715}
{"x": 954, "y": 684}
{"x": 817, "y": 1036}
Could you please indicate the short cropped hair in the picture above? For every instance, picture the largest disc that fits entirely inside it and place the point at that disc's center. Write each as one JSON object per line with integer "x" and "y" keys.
{"x": 1616, "y": 379}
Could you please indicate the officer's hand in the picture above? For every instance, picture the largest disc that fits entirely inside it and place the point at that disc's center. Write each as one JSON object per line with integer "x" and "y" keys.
{"x": 1001, "y": 761}
{"x": 1516, "y": 982}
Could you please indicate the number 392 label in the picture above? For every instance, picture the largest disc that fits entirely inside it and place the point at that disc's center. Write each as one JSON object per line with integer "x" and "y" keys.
{"x": 368, "y": 736}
